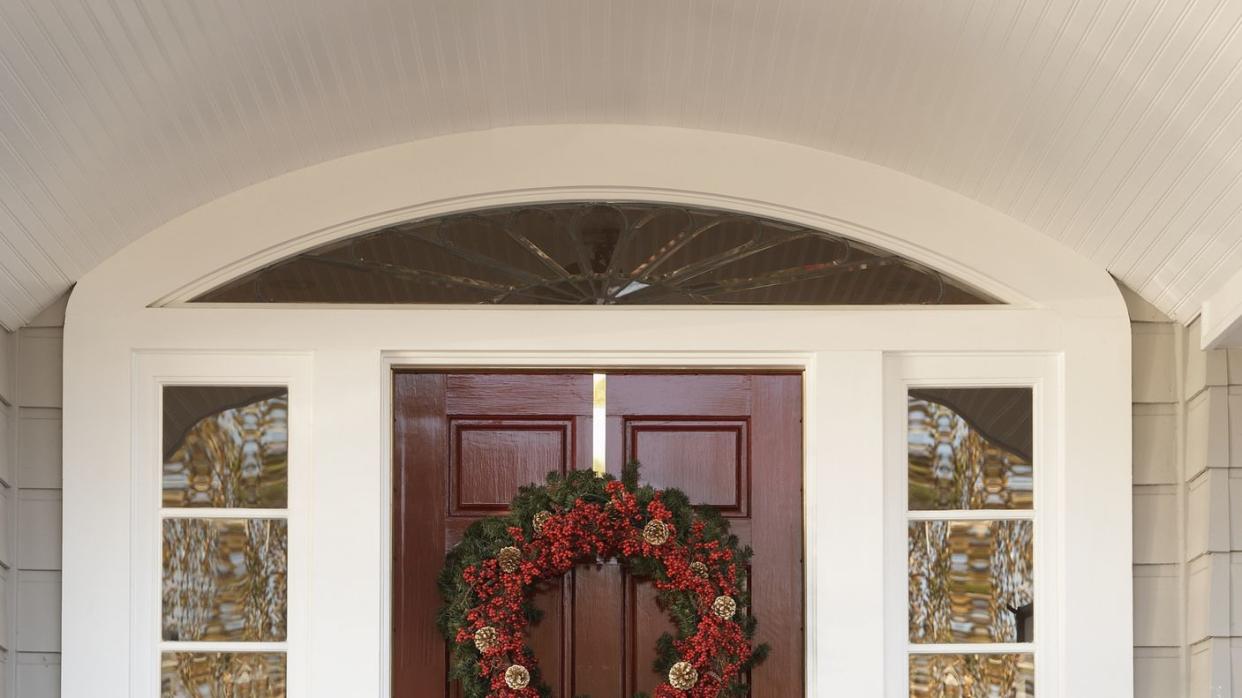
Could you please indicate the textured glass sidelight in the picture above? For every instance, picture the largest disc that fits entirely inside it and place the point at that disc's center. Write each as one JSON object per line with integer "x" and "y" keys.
{"x": 226, "y": 447}
{"x": 222, "y": 675}
{"x": 970, "y": 581}
{"x": 225, "y": 579}
{"x": 969, "y": 448}
{"x": 597, "y": 253}
{"x": 972, "y": 676}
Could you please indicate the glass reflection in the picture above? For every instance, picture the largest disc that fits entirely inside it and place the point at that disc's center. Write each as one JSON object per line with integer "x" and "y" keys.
{"x": 225, "y": 447}
{"x": 970, "y": 581}
{"x": 222, "y": 675}
{"x": 972, "y": 676}
{"x": 955, "y": 464}
{"x": 225, "y": 579}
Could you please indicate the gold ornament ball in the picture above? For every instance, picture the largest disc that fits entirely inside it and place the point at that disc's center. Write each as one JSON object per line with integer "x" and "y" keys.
{"x": 486, "y": 638}
{"x": 517, "y": 677}
{"x": 724, "y": 607}
{"x": 539, "y": 519}
{"x": 655, "y": 532}
{"x": 683, "y": 676}
{"x": 699, "y": 569}
{"x": 510, "y": 559}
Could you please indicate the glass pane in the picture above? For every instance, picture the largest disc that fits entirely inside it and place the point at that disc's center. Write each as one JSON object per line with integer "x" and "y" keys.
{"x": 970, "y": 448}
{"x": 971, "y": 581}
{"x": 972, "y": 676}
{"x": 226, "y": 446}
{"x": 222, "y": 675}
{"x": 596, "y": 253}
{"x": 225, "y": 579}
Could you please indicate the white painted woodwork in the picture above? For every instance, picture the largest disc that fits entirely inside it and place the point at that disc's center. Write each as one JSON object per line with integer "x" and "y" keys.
{"x": 38, "y": 530}
{"x": 39, "y": 367}
{"x": 1155, "y": 444}
{"x": 39, "y": 451}
{"x": 1207, "y": 432}
{"x": 1110, "y": 126}
{"x": 1157, "y": 603}
{"x": 1157, "y": 672}
{"x": 38, "y": 611}
{"x": 1152, "y": 347}
{"x": 38, "y": 675}
{"x": 1065, "y": 311}
{"x": 1156, "y": 539}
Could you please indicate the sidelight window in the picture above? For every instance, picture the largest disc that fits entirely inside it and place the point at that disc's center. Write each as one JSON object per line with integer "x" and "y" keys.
{"x": 225, "y": 534}
{"x": 970, "y": 541}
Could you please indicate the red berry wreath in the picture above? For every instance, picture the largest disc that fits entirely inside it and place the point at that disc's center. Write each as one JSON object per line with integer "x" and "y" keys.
{"x": 687, "y": 553}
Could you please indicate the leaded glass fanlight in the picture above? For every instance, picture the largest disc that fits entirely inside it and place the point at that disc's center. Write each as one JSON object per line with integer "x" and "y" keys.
{"x": 594, "y": 253}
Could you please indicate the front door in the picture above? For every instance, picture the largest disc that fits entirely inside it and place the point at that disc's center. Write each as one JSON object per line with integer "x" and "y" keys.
{"x": 464, "y": 443}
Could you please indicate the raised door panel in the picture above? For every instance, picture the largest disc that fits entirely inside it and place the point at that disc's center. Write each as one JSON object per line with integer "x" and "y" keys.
{"x": 708, "y": 459}
{"x": 492, "y": 458}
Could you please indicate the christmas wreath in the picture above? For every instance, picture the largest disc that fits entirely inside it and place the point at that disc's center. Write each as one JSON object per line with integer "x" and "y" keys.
{"x": 687, "y": 552}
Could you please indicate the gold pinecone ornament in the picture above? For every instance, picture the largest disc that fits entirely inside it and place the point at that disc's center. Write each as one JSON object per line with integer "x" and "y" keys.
{"x": 683, "y": 676}
{"x": 510, "y": 559}
{"x": 486, "y": 638}
{"x": 517, "y": 677}
{"x": 699, "y": 570}
{"x": 538, "y": 521}
{"x": 655, "y": 532}
{"x": 724, "y": 607}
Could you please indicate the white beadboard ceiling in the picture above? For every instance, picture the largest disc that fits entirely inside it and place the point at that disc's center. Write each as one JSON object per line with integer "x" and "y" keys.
{"x": 1110, "y": 125}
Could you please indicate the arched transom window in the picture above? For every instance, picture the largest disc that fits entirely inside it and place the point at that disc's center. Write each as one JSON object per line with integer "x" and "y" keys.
{"x": 597, "y": 253}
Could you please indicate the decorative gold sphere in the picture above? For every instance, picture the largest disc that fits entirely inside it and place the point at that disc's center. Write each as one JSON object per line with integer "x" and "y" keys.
{"x": 699, "y": 569}
{"x": 517, "y": 677}
{"x": 724, "y": 607}
{"x": 486, "y": 638}
{"x": 539, "y": 519}
{"x": 655, "y": 532}
{"x": 683, "y": 676}
{"x": 510, "y": 559}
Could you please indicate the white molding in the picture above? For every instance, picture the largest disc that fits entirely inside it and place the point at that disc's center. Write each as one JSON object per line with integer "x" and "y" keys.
{"x": 1222, "y": 315}
{"x": 1042, "y": 373}
{"x": 1070, "y": 309}
{"x": 152, "y": 371}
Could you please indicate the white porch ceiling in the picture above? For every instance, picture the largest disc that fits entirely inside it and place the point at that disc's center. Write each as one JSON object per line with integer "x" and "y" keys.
{"x": 1112, "y": 125}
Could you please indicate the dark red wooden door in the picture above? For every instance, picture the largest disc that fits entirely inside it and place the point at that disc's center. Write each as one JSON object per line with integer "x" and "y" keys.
{"x": 464, "y": 443}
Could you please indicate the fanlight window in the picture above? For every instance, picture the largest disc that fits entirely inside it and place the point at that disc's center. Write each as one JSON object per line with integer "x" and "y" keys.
{"x": 593, "y": 253}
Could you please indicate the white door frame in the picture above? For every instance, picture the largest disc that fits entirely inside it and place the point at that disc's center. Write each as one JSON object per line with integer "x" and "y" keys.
{"x": 1060, "y": 304}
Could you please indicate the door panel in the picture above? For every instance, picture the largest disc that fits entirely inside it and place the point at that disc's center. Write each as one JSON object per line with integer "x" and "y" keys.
{"x": 465, "y": 442}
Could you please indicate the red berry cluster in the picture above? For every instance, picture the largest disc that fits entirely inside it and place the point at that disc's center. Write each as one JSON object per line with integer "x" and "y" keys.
{"x": 586, "y": 532}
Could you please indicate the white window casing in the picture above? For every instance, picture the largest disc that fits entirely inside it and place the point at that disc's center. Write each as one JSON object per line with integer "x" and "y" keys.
{"x": 1064, "y": 330}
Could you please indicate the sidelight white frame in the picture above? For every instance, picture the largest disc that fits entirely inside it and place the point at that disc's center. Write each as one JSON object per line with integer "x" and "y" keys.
{"x": 1043, "y": 374}
{"x": 131, "y": 307}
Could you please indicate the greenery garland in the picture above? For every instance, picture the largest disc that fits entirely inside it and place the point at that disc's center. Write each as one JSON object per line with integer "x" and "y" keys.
{"x": 687, "y": 552}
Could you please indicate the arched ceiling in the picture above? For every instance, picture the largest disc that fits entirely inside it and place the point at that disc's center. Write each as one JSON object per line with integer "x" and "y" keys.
{"x": 1112, "y": 125}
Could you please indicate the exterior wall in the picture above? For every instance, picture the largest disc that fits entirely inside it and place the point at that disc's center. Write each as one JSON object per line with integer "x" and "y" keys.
{"x": 1187, "y": 511}
{"x": 36, "y": 503}
{"x": 8, "y": 397}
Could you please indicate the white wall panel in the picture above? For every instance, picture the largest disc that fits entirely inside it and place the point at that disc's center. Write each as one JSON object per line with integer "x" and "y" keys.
{"x": 1155, "y": 444}
{"x": 1157, "y": 607}
{"x": 1203, "y": 368}
{"x": 38, "y": 675}
{"x": 1207, "y": 432}
{"x": 1157, "y": 536}
{"x": 6, "y": 512}
{"x": 38, "y": 529}
{"x": 1157, "y": 672}
{"x": 8, "y": 365}
{"x": 38, "y": 456}
{"x": 7, "y": 452}
{"x": 6, "y": 630}
{"x": 1153, "y": 354}
{"x": 1207, "y": 593}
{"x": 39, "y": 357}
{"x": 1207, "y": 513}
{"x": 38, "y": 612}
